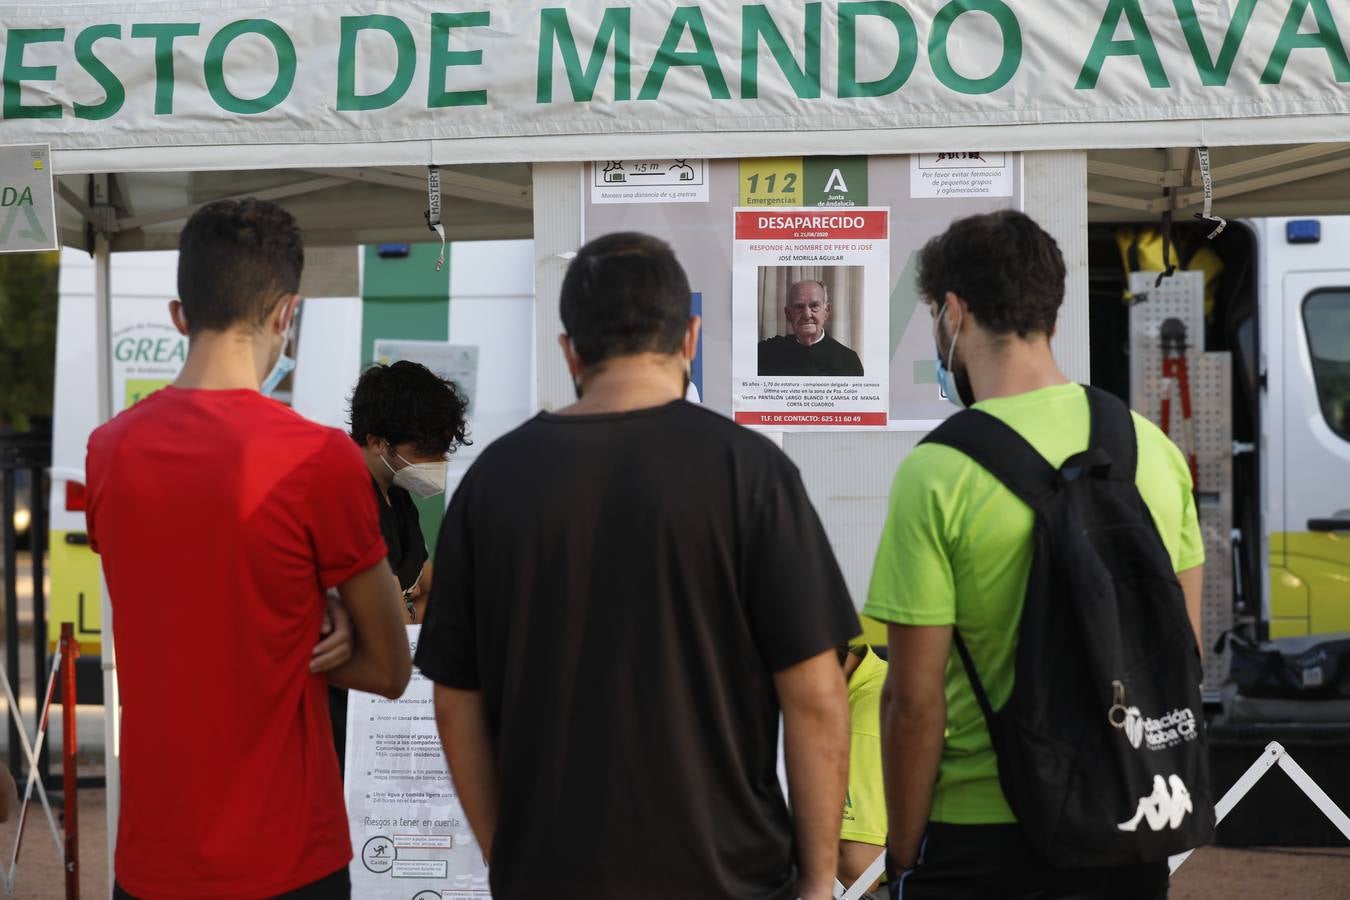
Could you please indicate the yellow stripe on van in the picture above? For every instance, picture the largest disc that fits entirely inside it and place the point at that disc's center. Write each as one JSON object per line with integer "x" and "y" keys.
{"x": 1310, "y": 591}
{"x": 75, "y": 593}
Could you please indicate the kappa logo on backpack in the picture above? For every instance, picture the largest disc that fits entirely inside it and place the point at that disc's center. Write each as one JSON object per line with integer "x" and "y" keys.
{"x": 1101, "y": 750}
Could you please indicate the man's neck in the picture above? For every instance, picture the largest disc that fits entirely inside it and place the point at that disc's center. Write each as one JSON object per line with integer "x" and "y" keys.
{"x": 1011, "y": 366}
{"x": 221, "y": 361}
{"x": 629, "y": 383}
{"x": 820, "y": 336}
{"x": 379, "y": 472}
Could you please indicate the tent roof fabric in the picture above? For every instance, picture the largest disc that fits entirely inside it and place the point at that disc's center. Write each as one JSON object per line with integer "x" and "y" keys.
{"x": 1248, "y": 182}
{"x": 349, "y": 205}
{"x": 334, "y": 206}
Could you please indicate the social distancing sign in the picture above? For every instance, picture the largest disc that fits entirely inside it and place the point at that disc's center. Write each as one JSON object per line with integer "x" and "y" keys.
{"x": 27, "y": 201}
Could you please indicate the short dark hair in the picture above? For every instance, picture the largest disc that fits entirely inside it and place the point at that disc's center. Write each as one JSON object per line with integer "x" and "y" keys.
{"x": 236, "y": 259}
{"x": 625, "y": 293}
{"x": 407, "y": 403}
{"x": 1006, "y": 267}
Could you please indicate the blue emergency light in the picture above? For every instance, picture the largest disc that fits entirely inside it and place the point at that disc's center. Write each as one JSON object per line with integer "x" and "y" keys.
{"x": 393, "y": 251}
{"x": 1304, "y": 231}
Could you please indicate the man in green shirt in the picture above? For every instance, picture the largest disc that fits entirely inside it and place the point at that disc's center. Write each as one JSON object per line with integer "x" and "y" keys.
{"x": 956, "y": 553}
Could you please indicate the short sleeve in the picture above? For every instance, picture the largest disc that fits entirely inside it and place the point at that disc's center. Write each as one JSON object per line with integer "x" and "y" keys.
{"x": 92, "y": 477}
{"x": 343, "y": 520}
{"x": 796, "y": 599}
{"x": 912, "y": 582}
{"x": 447, "y": 651}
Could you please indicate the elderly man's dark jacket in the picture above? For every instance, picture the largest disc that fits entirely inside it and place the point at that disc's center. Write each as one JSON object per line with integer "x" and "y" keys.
{"x": 827, "y": 358}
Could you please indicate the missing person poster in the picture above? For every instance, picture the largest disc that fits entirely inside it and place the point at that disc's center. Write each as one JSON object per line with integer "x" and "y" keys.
{"x": 811, "y": 317}
{"x": 410, "y": 837}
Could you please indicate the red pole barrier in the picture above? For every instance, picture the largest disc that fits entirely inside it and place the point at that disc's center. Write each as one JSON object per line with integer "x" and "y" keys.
{"x": 70, "y": 649}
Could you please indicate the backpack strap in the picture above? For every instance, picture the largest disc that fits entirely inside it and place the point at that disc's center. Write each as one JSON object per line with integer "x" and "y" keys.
{"x": 997, "y": 447}
{"x": 1112, "y": 434}
{"x": 974, "y": 677}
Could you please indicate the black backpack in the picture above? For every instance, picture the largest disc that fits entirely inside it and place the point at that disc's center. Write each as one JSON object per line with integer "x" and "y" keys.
{"x": 1101, "y": 747}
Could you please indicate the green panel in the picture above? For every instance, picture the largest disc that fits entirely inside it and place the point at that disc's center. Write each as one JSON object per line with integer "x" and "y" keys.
{"x": 403, "y": 318}
{"x": 834, "y": 181}
{"x": 407, "y": 299}
{"x": 412, "y": 276}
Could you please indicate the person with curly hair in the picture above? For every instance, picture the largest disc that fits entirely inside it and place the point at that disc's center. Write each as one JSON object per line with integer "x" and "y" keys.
{"x": 407, "y": 420}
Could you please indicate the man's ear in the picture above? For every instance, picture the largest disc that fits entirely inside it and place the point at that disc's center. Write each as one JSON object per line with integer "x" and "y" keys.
{"x": 284, "y": 314}
{"x": 178, "y": 316}
{"x": 574, "y": 364}
{"x": 690, "y": 349}
{"x": 956, "y": 304}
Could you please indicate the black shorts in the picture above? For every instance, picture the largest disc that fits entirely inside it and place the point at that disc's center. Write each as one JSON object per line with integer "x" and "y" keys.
{"x": 996, "y": 862}
{"x": 337, "y": 886}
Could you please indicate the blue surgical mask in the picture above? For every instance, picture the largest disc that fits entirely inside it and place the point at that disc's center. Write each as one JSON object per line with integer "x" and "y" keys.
{"x": 948, "y": 385}
{"x": 284, "y": 366}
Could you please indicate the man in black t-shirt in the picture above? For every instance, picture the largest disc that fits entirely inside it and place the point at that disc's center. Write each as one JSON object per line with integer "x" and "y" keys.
{"x": 628, "y": 592}
{"x": 808, "y": 352}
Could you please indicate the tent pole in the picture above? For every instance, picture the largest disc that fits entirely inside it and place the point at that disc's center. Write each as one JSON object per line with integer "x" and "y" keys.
{"x": 557, "y": 238}
{"x": 112, "y": 736}
{"x": 1056, "y": 196}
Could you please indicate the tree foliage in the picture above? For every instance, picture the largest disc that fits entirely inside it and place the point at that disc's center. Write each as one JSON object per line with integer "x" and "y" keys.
{"x": 28, "y": 292}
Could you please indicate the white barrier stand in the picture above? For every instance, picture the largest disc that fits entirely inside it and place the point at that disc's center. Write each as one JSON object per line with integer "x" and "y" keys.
{"x": 1274, "y": 755}
{"x": 31, "y": 750}
{"x": 869, "y": 875}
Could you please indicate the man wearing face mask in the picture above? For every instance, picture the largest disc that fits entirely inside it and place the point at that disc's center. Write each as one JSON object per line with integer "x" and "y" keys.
{"x": 406, "y": 420}
{"x": 623, "y": 628}
{"x": 221, "y": 513}
{"x": 956, "y": 554}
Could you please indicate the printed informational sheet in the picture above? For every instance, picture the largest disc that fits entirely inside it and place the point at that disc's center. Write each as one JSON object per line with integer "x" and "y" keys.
{"x": 454, "y": 362}
{"x": 649, "y": 181}
{"x": 701, "y": 235}
{"x": 410, "y": 837}
{"x": 961, "y": 174}
{"x": 810, "y": 317}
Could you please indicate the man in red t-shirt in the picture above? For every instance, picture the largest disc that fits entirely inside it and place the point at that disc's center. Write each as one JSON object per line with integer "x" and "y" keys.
{"x": 222, "y": 518}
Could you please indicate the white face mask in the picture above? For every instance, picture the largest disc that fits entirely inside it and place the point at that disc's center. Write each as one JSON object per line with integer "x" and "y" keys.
{"x": 419, "y": 479}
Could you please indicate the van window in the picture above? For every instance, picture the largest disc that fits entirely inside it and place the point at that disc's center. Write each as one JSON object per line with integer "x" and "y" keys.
{"x": 1326, "y": 317}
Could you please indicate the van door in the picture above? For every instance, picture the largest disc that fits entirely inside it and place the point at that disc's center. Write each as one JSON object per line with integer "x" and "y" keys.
{"x": 1311, "y": 594}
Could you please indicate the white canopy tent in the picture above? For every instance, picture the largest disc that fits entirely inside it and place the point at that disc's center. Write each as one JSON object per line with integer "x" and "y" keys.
{"x": 336, "y": 109}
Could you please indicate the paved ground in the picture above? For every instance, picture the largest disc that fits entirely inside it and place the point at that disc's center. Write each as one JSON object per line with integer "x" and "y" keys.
{"x": 1211, "y": 874}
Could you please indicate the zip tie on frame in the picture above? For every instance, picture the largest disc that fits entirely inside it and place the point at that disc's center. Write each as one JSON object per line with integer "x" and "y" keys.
{"x": 433, "y": 213}
{"x": 1207, "y": 181}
